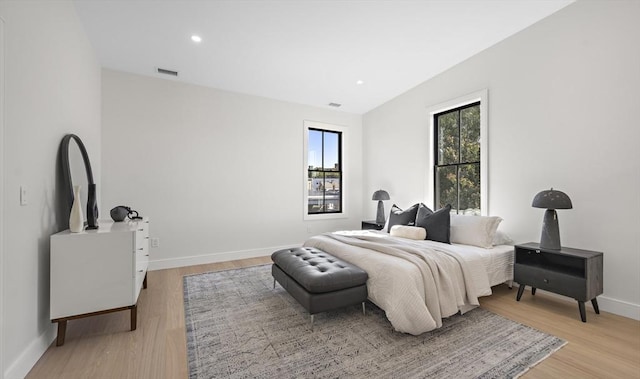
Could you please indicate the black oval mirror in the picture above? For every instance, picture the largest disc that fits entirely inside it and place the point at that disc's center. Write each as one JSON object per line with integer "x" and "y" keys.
{"x": 73, "y": 159}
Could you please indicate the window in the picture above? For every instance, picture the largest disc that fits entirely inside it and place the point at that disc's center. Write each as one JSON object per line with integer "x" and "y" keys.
{"x": 459, "y": 154}
{"x": 457, "y": 158}
{"x": 324, "y": 177}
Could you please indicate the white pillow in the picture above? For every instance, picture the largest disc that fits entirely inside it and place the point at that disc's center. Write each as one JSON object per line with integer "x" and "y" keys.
{"x": 474, "y": 230}
{"x": 411, "y": 232}
{"x": 502, "y": 238}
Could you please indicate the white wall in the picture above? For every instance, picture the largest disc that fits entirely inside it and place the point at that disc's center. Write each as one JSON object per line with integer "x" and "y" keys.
{"x": 220, "y": 174}
{"x": 563, "y": 102}
{"x": 52, "y": 87}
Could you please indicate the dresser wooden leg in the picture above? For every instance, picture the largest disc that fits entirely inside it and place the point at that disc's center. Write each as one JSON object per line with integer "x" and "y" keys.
{"x": 134, "y": 316}
{"x": 62, "y": 330}
{"x": 144, "y": 282}
{"x": 583, "y": 313}
{"x": 594, "y": 302}
{"x": 533, "y": 290}
{"x": 520, "y": 291}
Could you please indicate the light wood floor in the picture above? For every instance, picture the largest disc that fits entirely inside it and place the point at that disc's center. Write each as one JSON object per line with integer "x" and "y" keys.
{"x": 607, "y": 346}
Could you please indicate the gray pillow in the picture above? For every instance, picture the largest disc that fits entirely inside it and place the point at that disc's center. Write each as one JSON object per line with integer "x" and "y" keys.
{"x": 438, "y": 223}
{"x": 400, "y": 217}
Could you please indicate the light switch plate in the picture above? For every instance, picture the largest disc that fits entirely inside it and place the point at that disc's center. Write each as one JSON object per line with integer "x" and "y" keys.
{"x": 23, "y": 195}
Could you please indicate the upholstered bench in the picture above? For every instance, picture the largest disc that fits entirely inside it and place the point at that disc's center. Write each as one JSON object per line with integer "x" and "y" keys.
{"x": 317, "y": 280}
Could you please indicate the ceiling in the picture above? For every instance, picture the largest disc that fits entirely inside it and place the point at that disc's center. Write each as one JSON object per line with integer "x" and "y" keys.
{"x": 303, "y": 51}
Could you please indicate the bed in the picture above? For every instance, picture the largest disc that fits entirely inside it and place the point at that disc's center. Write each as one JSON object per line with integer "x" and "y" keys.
{"x": 419, "y": 282}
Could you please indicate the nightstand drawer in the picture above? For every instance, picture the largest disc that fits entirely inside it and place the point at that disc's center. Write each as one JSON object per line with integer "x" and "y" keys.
{"x": 554, "y": 281}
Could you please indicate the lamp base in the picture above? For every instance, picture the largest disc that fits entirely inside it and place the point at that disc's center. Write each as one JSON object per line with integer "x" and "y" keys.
{"x": 380, "y": 215}
{"x": 550, "y": 238}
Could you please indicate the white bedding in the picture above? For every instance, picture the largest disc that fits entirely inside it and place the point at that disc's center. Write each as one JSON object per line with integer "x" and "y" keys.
{"x": 417, "y": 283}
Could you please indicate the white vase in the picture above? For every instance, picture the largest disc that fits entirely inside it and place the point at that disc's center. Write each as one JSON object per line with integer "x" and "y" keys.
{"x": 76, "y": 218}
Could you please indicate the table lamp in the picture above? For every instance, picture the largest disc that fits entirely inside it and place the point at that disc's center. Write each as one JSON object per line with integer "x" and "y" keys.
{"x": 551, "y": 200}
{"x": 380, "y": 195}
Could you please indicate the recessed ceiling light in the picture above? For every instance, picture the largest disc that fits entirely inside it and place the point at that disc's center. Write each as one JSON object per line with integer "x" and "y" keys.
{"x": 359, "y": 82}
{"x": 196, "y": 38}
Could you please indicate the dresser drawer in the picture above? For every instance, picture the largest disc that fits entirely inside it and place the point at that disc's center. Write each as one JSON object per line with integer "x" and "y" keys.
{"x": 554, "y": 281}
{"x": 139, "y": 279}
{"x": 142, "y": 263}
{"x": 142, "y": 233}
{"x": 141, "y": 254}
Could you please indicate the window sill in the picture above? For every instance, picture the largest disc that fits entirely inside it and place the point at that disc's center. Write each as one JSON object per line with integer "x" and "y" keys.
{"x": 325, "y": 216}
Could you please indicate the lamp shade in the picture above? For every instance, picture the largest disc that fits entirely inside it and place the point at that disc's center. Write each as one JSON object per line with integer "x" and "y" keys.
{"x": 380, "y": 195}
{"x": 552, "y": 199}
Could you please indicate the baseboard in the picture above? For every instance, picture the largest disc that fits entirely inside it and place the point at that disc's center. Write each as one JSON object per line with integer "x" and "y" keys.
{"x": 161, "y": 264}
{"x": 606, "y": 304}
{"x": 25, "y": 362}
{"x": 619, "y": 307}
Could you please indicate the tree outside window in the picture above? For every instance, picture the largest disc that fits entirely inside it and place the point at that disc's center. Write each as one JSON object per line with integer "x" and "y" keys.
{"x": 457, "y": 158}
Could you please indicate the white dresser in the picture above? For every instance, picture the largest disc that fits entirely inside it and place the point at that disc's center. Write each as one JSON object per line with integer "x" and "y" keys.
{"x": 98, "y": 271}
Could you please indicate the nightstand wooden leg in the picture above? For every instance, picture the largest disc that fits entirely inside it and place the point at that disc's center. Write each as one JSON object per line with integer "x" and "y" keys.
{"x": 62, "y": 330}
{"x": 533, "y": 290}
{"x": 583, "y": 313}
{"x": 594, "y": 302}
{"x": 520, "y": 291}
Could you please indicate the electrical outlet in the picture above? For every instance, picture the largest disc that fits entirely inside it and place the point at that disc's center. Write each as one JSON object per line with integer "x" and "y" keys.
{"x": 155, "y": 242}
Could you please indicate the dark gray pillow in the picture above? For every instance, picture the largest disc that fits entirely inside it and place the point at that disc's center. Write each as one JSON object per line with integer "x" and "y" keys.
{"x": 437, "y": 224}
{"x": 400, "y": 217}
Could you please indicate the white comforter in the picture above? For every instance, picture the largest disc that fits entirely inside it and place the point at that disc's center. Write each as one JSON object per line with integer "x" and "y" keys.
{"x": 416, "y": 283}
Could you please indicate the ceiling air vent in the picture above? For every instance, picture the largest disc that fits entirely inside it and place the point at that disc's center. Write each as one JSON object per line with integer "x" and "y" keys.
{"x": 167, "y": 72}
{"x": 335, "y": 105}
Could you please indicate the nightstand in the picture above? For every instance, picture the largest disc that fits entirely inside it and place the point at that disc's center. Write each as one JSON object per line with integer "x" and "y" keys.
{"x": 570, "y": 272}
{"x": 372, "y": 225}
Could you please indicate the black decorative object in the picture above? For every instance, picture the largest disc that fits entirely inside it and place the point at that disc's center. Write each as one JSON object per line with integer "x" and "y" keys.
{"x": 551, "y": 200}
{"x": 68, "y": 181}
{"x": 380, "y": 195}
{"x": 92, "y": 207}
{"x": 119, "y": 213}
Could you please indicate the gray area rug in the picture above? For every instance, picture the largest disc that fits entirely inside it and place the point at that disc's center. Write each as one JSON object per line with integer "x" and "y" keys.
{"x": 238, "y": 326}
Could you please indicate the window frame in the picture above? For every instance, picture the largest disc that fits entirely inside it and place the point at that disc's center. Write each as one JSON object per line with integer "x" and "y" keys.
{"x": 460, "y": 102}
{"x": 460, "y": 163}
{"x": 342, "y": 157}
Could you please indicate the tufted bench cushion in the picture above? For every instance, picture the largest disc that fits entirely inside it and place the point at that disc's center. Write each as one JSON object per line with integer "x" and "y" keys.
{"x": 317, "y": 271}
{"x": 317, "y": 280}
